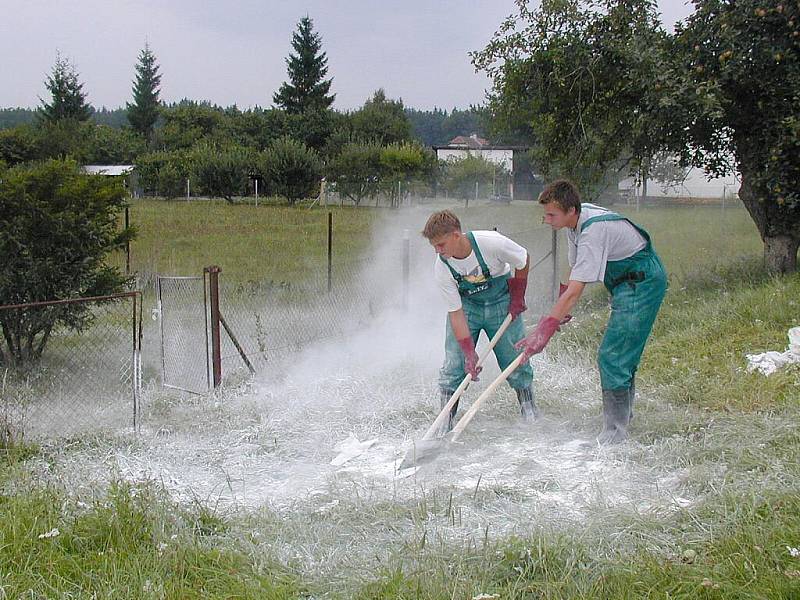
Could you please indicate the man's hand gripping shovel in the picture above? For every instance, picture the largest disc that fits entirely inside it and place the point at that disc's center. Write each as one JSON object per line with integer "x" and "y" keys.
{"x": 432, "y": 442}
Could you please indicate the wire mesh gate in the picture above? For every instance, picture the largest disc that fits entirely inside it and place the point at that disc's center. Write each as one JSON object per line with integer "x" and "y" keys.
{"x": 184, "y": 333}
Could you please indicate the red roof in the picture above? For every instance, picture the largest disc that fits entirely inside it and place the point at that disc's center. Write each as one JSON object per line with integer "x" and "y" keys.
{"x": 472, "y": 141}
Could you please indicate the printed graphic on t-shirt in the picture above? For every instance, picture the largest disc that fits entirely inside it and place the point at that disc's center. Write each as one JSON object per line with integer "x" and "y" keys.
{"x": 475, "y": 276}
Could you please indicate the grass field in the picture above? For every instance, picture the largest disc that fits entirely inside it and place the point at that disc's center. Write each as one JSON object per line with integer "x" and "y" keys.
{"x": 276, "y": 242}
{"x": 723, "y": 443}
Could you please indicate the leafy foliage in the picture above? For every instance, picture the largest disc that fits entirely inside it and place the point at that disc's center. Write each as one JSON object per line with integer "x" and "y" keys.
{"x": 601, "y": 86}
{"x": 381, "y": 120}
{"x": 190, "y": 122}
{"x": 461, "y": 176}
{"x": 68, "y": 100}
{"x": 59, "y": 225}
{"x": 165, "y": 173}
{"x": 356, "y": 171}
{"x": 291, "y": 169}
{"x": 737, "y": 65}
{"x": 401, "y": 162}
{"x": 19, "y": 144}
{"x": 582, "y": 84}
{"x": 307, "y": 88}
{"x": 143, "y": 112}
{"x": 223, "y": 172}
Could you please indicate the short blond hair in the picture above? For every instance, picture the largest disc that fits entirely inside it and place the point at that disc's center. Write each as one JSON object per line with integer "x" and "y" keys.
{"x": 441, "y": 223}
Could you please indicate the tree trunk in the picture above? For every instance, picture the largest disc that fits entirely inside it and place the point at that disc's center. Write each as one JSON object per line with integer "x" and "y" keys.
{"x": 780, "y": 253}
{"x": 778, "y": 227}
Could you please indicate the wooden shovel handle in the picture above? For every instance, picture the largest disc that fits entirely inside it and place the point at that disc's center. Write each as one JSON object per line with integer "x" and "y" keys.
{"x": 437, "y": 423}
{"x": 464, "y": 421}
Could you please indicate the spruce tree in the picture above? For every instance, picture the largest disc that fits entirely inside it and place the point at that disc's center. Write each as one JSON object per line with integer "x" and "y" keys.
{"x": 68, "y": 99}
{"x": 143, "y": 113}
{"x": 307, "y": 88}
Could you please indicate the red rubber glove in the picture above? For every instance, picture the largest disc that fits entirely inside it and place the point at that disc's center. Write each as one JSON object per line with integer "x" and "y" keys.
{"x": 516, "y": 288}
{"x": 561, "y": 289}
{"x": 470, "y": 357}
{"x": 537, "y": 340}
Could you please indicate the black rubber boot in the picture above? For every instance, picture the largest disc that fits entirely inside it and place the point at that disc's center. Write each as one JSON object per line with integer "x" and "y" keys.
{"x": 526, "y": 404}
{"x": 444, "y": 398}
{"x": 616, "y": 416}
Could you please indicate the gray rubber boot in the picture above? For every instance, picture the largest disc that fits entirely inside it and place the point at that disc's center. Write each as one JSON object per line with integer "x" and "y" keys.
{"x": 526, "y": 404}
{"x": 444, "y": 397}
{"x": 632, "y": 393}
{"x": 616, "y": 416}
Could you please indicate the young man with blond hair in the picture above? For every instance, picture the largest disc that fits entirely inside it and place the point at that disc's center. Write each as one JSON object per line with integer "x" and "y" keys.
{"x": 482, "y": 276}
{"x": 607, "y": 247}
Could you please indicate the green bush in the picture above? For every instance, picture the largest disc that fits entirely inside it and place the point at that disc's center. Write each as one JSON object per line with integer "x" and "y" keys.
{"x": 291, "y": 169}
{"x": 59, "y": 226}
{"x": 223, "y": 172}
{"x": 165, "y": 173}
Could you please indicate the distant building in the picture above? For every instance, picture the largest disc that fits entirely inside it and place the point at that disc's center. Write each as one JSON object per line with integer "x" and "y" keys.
{"x": 696, "y": 186}
{"x": 127, "y": 172}
{"x": 514, "y": 159}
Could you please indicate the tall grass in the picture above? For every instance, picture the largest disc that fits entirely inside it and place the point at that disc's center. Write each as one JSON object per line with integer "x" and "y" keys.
{"x": 272, "y": 241}
{"x": 131, "y": 544}
{"x": 250, "y": 243}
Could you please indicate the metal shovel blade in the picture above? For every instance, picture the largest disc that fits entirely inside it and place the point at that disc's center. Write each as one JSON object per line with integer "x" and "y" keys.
{"x": 423, "y": 451}
{"x": 429, "y": 446}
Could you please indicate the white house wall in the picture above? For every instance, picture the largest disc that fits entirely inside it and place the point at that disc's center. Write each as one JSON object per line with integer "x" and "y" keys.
{"x": 696, "y": 185}
{"x": 498, "y": 157}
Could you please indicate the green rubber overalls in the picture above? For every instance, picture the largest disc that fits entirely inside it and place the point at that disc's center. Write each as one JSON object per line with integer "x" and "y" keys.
{"x": 637, "y": 285}
{"x": 485, "y": 307}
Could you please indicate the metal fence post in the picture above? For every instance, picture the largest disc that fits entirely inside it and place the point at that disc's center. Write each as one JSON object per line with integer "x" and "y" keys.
{"x": 554, "y": 253}
{"x": 127, "y": 243}
{"x": 406, "y": 267}
{"x": 330, "y": 249}
{"x": 216, "y": 354}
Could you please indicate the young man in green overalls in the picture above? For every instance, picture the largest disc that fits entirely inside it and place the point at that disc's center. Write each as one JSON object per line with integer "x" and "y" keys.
{"x": 482, "y": 276}
{"x": 604, "y": 246}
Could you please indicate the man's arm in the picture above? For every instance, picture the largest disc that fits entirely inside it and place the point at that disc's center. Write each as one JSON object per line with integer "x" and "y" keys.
{"x": 538, "y": 338}
{"x": 464, "y": 338}
{"x": 459, "y": 324}
{"x": 567, "y": 301}
{"x": 516, "y": 288}
{"x": 523, "y": 272}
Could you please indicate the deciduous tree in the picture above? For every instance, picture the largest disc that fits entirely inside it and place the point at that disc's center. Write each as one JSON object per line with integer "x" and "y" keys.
{"x": 381, "y": 120}
{"x": 737, "y": 74}
{"x": 291, "y": 169}
{"x": 603, "y": 86}
{"x": 223, "y": 172}
{"x": 356, "y": 171}
{"x": 579, "y": 78}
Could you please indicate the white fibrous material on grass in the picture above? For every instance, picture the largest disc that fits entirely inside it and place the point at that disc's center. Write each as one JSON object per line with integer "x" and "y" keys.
{"x": 308, "y": 453}
{"x": 769, "y": 362}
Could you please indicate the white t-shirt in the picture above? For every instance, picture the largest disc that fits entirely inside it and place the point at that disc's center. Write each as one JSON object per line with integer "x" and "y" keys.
{"x": 601, "y": 242}
{"x": 499, "y": 253}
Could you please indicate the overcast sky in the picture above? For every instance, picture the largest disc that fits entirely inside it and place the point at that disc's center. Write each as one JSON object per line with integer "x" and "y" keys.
{"x": 233, "y": 51}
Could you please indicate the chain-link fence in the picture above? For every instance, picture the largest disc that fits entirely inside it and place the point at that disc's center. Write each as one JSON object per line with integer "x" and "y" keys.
{"x": 184, "y": 333}
{"x": 264, "y": 323}
{"x": 70, "y": 366}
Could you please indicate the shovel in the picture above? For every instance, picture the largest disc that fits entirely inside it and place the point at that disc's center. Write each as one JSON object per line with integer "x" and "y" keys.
{"x": 428, "y": 449}
{"x": 427, "y": 439}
